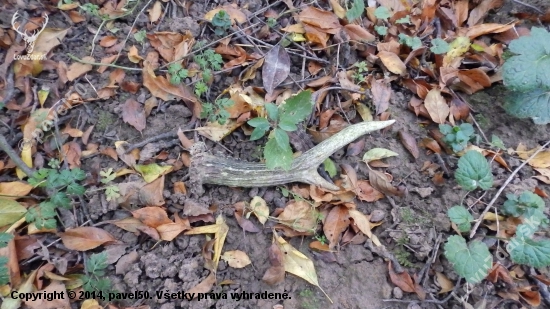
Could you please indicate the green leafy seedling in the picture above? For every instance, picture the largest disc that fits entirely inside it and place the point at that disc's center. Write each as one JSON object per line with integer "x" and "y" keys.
{"x": 140, "y": 36}
{"x": 497, "y": 142}
{"x": 528, "y": 205}
{"x": 526, "y": 75}
{"x": 4, "y": 272}
{"x": 177, "y": 73}
{"x": 457, "y": 137}
{"x": 221, "y": 22}
{"x": 217, "y": 111}
{"x": 472, "y": 261}
{"x": 460, "y": 216}
{"x": 382, "y": 12}
{"x": 525, "y": 250}
{"x": 439, "y": 46}
{"x": 96, "y": 280}
{"x": 411, "y": 41}
{"x": 60, "y": 185}
{"x": 356, "y": 10}
{"x": 474, "y": 172}
{"x": 282, "y": 119}
{"x": 381, "y": 30}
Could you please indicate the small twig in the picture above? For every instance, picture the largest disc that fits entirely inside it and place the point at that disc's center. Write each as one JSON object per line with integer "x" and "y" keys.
{"x": 15, "y": 158}
{"x": 529, "y": 6}
{"x": 479, "y": 128}
{"x": 386, "y": 254}
{"x": 480, "y": 219}
{"x": 152, "y": 139}
{"x": 432, "y": 301}
{"x": 75, "y": 58}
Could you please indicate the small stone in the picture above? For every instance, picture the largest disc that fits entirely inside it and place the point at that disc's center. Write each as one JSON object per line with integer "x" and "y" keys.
{"x": 386, "y": 291}
{"x": 397, "y": 293}
{"x": 377, "y": 215}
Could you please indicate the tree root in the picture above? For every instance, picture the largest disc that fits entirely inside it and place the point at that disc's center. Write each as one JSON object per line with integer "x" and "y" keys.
{"x": 209, "y": 169}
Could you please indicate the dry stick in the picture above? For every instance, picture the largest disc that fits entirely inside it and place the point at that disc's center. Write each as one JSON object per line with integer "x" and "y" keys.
{"x": 15, "y": 158}
{"x": 209, "y": 169}
{"x": 130, "y": 31}
{"x": 529, "y": 6}
{"x": 480, "y": 219}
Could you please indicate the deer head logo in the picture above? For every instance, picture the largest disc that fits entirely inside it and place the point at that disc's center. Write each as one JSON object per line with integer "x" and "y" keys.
{"x": 29, "y": 38}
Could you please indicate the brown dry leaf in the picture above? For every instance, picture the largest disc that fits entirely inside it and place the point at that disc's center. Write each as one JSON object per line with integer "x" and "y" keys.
{"x": 129, "y": 224}
{"x": 169, "y": 231}
{"x": 78, "y": 69}
{"x": 296, "y": 263}
{"x": 365, "y": 192}
{"x": 300, "y": 216}
{"x": 498, "y": 271}
{"x": 205, "y": 286}
{"x": 134, "y": 114}
{"x": 71, "y": 153}
{"x": 55, "y": 303}
{"x": 324, "y": 20}
{"x": 437, "y": 106}
{"x": 409, "y": 142}
{"x": 85, "y": 238}
{"x": 359, "y": 33}
{"x": 276, "y": 68}
{"x": 179, "y": 187}
{"x": 338, "y": 9}
{"x": 530, "y": 295}
{"x": 480, "y": 11}
{"x": 276, "y": 273}
{"x": 133, "y": 55}
{"x": 216, "y": 132}
{"x": 336, "y": 222}
{"x": 161, "y": 88}
{"x": 319, "y": 246}
{"x": 392, "y": 62}
{"x": 402, "y": 280}
{"x": 444, "y": 282}
{"x": 245, "y": 224}
{"x": 296, "y": 28}
{"x": 151, "y": 193}
{"x": 235, "y": 13}
{"x": 481, "y": 29}
{"x": 152, "y": 216}
{"x": 48, "y": 39}
{"x": 13, "y": 190}
{"x": 155, "y": 12}
{"x": 219, "y": 230}
{"x": 236, "y": 258}
{"x": 314, "y": 67}
{"x": 430, "y": 143}
{"x": 380, "y": 182}
{"x": 381, "y": 94}
{"x": 473, "y": 80}
{"x": 108, "y": 41}
{"x": 363, "y": 224}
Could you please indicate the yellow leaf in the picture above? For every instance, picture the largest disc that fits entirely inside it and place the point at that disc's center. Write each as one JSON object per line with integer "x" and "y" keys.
{"x": 297, "y": 264}
{"x": 260, "y": 209}
{"x": 457, "y": 48}
{"x": 297, "y": 37}
{"x": 445, "y": 284}
{"x": 437, "y": 106}
{"x": 43, "y": 95}
{"x": 155, "y": 12}
{"x": 26, "y": 287}
{"x": 491, "y": 216}
{"x": 26, "y": 156}
{"x": 10, "y": 211}
{"x": 338, "y": 9}
{"x": 152, "y": 171}
{"x": 233, "y": 10}
{"x": 133, "y": 55}
{"x": 11, "y": 190}
{"x": 219, "y": 230}
{"x": 392, "y": 62}
{"x": 236, "y": 258}
{"x": 90, "y": 304}
{"x": 296, "y": 28}
{"x": 216, "y": 131}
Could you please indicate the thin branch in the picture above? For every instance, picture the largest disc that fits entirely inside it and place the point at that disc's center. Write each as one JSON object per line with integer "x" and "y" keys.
{"x": 14, "y": 157}
{"x": 480, "y": 219}
{"x": 75, "y": 58}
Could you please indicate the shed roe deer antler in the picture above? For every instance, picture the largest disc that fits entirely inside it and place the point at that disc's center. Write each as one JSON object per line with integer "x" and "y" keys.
{"x": 29, "y": 38}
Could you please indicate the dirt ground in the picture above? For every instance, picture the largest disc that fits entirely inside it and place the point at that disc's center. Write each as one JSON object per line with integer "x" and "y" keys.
{"x": 354, "y": 277}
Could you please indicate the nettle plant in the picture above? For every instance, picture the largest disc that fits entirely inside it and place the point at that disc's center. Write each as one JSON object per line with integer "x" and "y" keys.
{"x": 527, "y": 75}
{"x": 4, "y": 272}
{"x": 280, "y": 120}
{"x": 473, "y": 260}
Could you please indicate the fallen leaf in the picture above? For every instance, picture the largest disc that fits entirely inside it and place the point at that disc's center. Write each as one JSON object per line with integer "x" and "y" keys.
{"x": 377, "y": 154}
{"x": 216, "y": 132}
{"x": 133, "y": 114}
{"x": 56, "y": 302}
{"x": 236, "y": 258}
{"x": 13, "y": 190}
{"x": 359, "y": 33}
{"x": 219, "y": 230}
{"x": 296, "y": 263}
{"x": 409, "y": 142}
{"x": 78, "y": 69}
{"x": 338, "y": 9}
{"x": 276, "y": 68}
{"x": 276, "y": 273}
{"x": 380, "y": 182}
{"x": 233, "y": 10}
{"x": 300, "y": 216}
{"x": 260, "y": 209}
{"x": 365, "y": 192}
{"x": 169, "y": 231}
{"x": 108, "y": 41}
{"x": 392, "y": 62}
{"x": 363, "y": 224}
{"x": 336, "y": 222}
{"x": 445, "y": 284}
{"x": 437, "y": 106}
{"x": 10, "y": 211}
{"x": 48, "y": 39}
{"x": 153, "y": 171}
{"x": 85, "y": 238}
{"x": 402, "y": 280}
{"x": 381, "y": 93}
{"x": 155, "y": 12}
{"x": 205, "y": 285}
{"x": 152, "y": 216}
{"x": 324, "y": 20}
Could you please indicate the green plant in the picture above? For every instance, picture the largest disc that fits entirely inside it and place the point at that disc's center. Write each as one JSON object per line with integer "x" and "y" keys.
{"x": 217, "y": 111}
{"x": 403, "y": 257}
{"x": 4, "y": 273}
{"x": 208, "y": 60}
{"x": 90, "y": 8}
{"x": 382, "y": 12}
{"x": 221, "y": 22}
{"x": 471, "y": 261}
{"x": 460, "y": 216}
{"x": 282, "y": 119}
{"x": 321, "y": 238}
{"x": 362, "y": 69}
{"x": 473, "y": 172}
{"x": 457, "y": 137}
{"x": 60, "y": 186}
{"x": 439, "y": 46}
{"x": 526, "y": 75}
{"x": 140, "y": 36}
{"x": 411, "y": 41}
{"x": 177, "y": 73}
{"x": 381, "y": 30}
{"x": 111, "y": 191}
{"x": 356, "y": 10}
{"x": 95, "y": 280}
{"x": 271, "y": 22}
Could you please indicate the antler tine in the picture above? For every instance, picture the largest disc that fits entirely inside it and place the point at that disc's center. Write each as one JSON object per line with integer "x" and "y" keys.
{"x": 43, "y": 26}
{"x": 13, "y": 19}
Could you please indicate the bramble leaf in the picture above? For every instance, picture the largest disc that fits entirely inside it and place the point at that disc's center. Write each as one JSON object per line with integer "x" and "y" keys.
{"x": 473, "y": 171}
{"x": 461, "y": 217}
{"x": 471, "y": 261}
{"x": 439, "y": 46}
{"x": 528, "y": 204}
{"x": 534, "y": 104}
